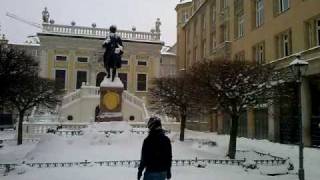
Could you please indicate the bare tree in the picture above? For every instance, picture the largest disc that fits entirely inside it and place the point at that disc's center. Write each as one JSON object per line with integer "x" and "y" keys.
{"x": 173, "y": 96}
{"x": 22, "y": 88}
{"x": 234, "y": 86}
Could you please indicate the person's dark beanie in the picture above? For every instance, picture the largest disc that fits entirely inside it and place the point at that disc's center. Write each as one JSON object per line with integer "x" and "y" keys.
{"x": 154, "y": 123}
{"x": 113, "y": 29}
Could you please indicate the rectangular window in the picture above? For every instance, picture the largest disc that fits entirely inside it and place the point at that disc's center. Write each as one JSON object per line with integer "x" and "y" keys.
{"x": 124, "y": 62}
{"x": 259, "y": 53}
{"x": 142, "y": 63}
{"x": 82, "y": 59}
{"x": 223, "y": 4}
{"x": 61, "y": 58}
{"x": 124, "y": 78}
{"x": 284, "y": 5}
{"x": 318, "y": 32}
{"x": 259, "y": 13}
{"x": 60, "y": 77}
{"x": 81, "y": 78}
{"x": 141, "y": 82}
{"x": 240, "y": 56}
{"x": 240, "y": 26}
{"x": 283, "y": 44}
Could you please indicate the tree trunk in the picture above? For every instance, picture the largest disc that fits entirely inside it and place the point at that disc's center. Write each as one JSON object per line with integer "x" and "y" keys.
{"x": 20, "y": 123}
{"x": 182, "y": 126}
{"x": 233, "y": 137}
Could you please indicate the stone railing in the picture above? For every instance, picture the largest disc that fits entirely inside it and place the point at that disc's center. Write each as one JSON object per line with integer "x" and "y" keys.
{"x": 99, "y": 32}
{"x": 136, "y": 101}
{"x": 71, "y": 97}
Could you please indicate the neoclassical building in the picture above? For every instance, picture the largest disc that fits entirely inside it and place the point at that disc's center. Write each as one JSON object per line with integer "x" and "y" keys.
{"x": 73, "y": 55}
{"x": 264, "y": 31}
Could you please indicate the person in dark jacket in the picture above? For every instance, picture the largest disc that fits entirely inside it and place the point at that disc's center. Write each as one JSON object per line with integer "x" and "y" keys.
{"x": 113, "y": 52}
{"x": 156, "y": 153}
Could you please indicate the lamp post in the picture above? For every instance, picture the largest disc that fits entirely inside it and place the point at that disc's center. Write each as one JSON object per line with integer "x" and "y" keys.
{"x": 299, "y": 67}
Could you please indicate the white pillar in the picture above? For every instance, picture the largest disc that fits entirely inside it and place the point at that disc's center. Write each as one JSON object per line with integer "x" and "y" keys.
{"x": 273, "y": 121}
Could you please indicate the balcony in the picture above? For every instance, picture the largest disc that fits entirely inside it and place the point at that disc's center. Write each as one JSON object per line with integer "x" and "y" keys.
{"x": 223, "y": 50}
{"x": 99, "y": 32}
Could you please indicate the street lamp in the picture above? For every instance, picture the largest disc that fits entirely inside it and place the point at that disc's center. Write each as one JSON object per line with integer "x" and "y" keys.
{"x": 299, "y": 67}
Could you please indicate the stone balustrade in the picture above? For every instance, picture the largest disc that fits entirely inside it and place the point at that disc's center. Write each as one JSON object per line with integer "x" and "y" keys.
{"x": 99, "y": 32}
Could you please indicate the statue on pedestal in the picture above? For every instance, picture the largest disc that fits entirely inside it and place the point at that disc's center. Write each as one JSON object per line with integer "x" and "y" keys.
{"x": 45, "y": 15}
{"x": 158, "y": 24}
{"x": 113, "y": 52}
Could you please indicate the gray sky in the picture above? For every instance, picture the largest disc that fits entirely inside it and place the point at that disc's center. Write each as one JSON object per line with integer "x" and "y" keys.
{"x": 123, "y": 13}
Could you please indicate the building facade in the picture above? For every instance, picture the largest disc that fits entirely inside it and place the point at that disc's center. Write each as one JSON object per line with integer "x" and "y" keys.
{"x": 168, "y": 61}
{"x": 73, "y": 55}
{"x": 263, "y": 31}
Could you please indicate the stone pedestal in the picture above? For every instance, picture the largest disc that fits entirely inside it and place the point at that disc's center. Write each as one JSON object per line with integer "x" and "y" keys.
{"x": 110, "y": 100}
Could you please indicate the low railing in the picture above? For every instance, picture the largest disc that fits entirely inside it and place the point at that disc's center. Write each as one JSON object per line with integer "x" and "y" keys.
{"x": 31, "y": 129}
{"x": 135, "y": 163}
{"x": 99, "y": 32}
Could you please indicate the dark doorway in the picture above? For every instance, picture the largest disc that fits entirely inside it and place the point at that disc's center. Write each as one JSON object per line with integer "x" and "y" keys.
{"x": 100, "y": 77}
{"x": 315, "y": 119}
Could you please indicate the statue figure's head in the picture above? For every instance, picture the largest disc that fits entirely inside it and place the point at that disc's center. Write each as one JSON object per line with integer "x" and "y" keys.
{"x": 113, "y": 29}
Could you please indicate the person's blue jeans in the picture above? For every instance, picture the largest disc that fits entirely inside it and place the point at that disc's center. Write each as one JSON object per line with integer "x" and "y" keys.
{"x": 155, "y": 175}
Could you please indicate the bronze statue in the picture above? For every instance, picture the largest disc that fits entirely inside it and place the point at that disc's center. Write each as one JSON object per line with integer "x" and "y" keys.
{"x": 113, "y": 52}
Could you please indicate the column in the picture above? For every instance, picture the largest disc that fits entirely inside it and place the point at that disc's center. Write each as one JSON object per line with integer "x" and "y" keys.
{"x": 306, "y": 110}
{"x": 273, "y": 121}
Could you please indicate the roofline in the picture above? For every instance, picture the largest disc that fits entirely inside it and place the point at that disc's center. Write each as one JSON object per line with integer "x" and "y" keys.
{"x": 99, "y": 38}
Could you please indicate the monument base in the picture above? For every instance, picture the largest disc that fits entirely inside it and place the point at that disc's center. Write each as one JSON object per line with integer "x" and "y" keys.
{"x": 110, "y": 100}
{"x": 107, "y": 117}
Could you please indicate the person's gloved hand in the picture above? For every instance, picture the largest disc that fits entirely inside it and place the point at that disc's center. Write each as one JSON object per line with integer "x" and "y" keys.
{"x": 169, "y": 174}
{"x": 139, "y": 174}
{"x": 118, "y": 50}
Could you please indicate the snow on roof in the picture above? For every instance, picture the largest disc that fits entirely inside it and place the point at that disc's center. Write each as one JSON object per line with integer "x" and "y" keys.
{"x": 298, "y": 62}
{"x": 184, "y": 1}
{"x": 25, "y": 44}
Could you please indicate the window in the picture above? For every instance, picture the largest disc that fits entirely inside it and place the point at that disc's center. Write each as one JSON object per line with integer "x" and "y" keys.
{"x": 60, "y": 77}
{"x": 142, "y": 63}
{"x": 141, "y": 82}
{"x": 284, "y": 45}
{"x": 81, "y": 77}
{"x": 313, "y": 32}
{"x": 259, "y": 53}
{"x": 240, "y": 56}
{"x": 124, "y": 78}
{"x": 259, "y": 13}
{"x": 34, "y": 53}
{"x": 318, "y": 31}
{"x": 213, "y": 15}
{"x": 284, "y": 5}
{"x": 185, "y": 16}
{"x": 82, "y": 59}
{"x": 61, "y": 58}
{"x": 240, "y": 26}
{"x": 124, "y": 62}
{"x": 223, "y": 4}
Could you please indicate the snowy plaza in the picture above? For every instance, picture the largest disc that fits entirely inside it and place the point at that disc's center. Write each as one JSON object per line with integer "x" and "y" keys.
{"x": 94, "y": 146}
{"x": 160, "y": 89}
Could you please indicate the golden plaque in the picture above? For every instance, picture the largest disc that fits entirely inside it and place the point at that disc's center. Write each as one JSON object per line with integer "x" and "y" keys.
{"x": 111, "y": 100}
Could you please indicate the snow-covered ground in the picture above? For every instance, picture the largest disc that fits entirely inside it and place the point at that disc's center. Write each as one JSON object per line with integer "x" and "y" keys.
{"x": 95, "y": 146}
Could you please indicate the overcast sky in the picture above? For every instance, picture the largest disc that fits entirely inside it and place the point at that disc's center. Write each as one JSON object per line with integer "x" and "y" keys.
{"x": 123, "y": 13}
